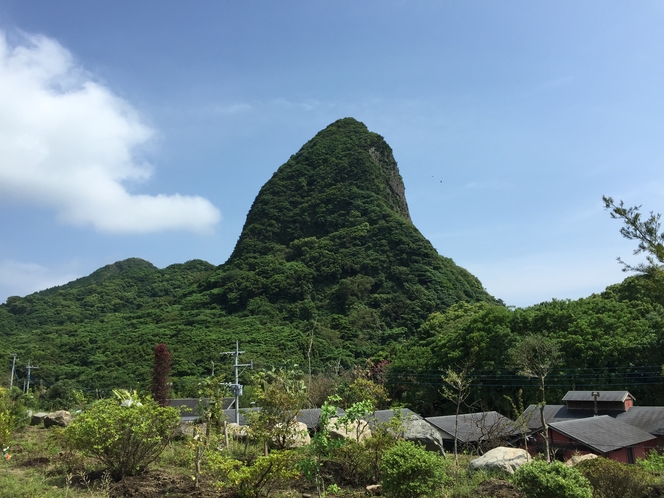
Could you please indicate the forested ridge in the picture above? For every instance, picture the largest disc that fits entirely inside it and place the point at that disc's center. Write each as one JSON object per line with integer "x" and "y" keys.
{"x": 330, "y": 270}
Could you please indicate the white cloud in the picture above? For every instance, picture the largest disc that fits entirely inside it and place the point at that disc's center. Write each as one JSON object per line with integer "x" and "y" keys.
{"x": 21, "y": 278}
{"x": 69, "y": 143}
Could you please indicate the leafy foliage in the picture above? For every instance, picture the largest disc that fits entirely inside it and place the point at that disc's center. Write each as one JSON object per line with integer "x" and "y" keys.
{"x": 611, "y": 479}
{"x": 255, "y": 479}
{"x": 540, "y": 479}
{"x": 409, "y": 471}
{"x": 125, "y": 437}
{"x": 328, "y": 241}
{"x": 281, "y": 393}
{"x": 604, "y": 341}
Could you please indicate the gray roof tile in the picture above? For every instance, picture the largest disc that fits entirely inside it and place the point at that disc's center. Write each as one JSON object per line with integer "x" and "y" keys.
{"x": 603, "y": 396}
{"x": 646, "y": 418}
{"x": 475, "y": 426}
{"x": 602, "y": 434}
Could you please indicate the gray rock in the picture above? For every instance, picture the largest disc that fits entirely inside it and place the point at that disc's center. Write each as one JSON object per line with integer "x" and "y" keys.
{"x": 61, "y": 418}
{"x": 421, "y": 431}
{"x": 358, "y": 430}
{"x": 38, "y": 418}
{"x": 501, "y": 458}
{"x": 577, "y": 459}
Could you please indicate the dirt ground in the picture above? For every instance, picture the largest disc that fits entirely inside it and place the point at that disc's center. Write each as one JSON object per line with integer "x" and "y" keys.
{"x": 498, "y": 488}
{"x": 154, "y": 484}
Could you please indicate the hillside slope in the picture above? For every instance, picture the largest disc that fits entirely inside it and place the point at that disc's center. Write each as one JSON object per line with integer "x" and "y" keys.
{"x": 328, "y": 253}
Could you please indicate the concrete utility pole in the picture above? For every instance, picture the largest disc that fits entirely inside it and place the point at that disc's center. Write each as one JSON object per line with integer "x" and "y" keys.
{"x": 11, "y": 379}
{"x": 27, "y": 383}
{"x": 236, "y": 388}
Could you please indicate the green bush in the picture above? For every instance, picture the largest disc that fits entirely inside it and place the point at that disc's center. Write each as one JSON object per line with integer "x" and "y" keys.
{"x": 409, "y": 471}
{"x": 611, "y": 479}
{"x": 257, "y": 479}
{"x": 653, "y": 464}
{"x": 126, "y": 439}
{"x": 555, "y": 480}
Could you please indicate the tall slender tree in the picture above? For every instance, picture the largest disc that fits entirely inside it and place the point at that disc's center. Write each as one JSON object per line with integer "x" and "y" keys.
{"x": 162, "y": 367}
{"x": 536, "y": 356}
{"x": 456, "y": 388}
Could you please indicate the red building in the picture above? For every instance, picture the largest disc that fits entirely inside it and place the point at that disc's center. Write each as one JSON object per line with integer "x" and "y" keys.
{"x": 620, "y": 431}
{"x": 604, "y": 436}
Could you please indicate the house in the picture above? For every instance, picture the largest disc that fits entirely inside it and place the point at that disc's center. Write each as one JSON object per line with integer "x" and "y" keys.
{"x": 475, "y": 429}
{"x": 603, "y": 435}
{"x": 602, "y": 401}
{"x": 641, "y": 428}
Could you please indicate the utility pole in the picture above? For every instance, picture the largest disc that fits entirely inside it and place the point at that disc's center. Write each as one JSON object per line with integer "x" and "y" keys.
{"x": 11, "y": 379}
{"x": 27, "y": 384}
{"x": 236, "y": 388}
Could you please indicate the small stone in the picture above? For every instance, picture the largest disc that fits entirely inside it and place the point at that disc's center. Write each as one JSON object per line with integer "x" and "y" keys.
{"x": 373, "y": 489}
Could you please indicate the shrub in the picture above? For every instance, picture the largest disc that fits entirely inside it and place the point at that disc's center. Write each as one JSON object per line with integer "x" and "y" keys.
{"x": 125, "y": 437}
{"x": 539, "y": 479}
{"x": 12, "y": 414}
{"x": 611, "y": 479}
{"x": 653, "y": 464}
{"x": 255, "y": 480}
{"x": 409, "y": 471}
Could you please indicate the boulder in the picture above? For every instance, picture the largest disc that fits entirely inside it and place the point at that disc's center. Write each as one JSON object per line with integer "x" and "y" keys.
{"x": 61, "y": 418}
{"x": 577, "y": 459}
{"x": 421, "y": 431}
{"x": 38, "y": 418}
{"x": 501, "y": 458}
{"x": 301, "y": 437}
{"x": 297, "y": 435}
{"x": 358, "y": 430}
{"x": 237, "y": 431}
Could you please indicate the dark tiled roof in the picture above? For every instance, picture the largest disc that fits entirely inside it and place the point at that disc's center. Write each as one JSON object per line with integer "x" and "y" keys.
{"x": 552, "y": 413}
{"x": 230, "y": 415}
{"x": 646, "y": 418}
{"x": 384, "y": 416}
{"x": 307, "y": 416}
{"x": 475, "y": 426}
{"x": 602, "y": 434}
{"x": 310, "y": 416}
{"x": 189, "y": 407}
{"x": 620, "y": 396}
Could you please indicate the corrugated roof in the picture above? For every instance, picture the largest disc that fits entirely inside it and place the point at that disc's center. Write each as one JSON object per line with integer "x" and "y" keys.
{"x": 602, "y": 434}
{"x": 646, "y": 418}
{"x": 475, "y": 427}
{"x": 603, "y": 396}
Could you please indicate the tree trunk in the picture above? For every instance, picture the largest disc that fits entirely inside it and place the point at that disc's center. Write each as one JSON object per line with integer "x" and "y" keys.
{"x": 545, "y": 426}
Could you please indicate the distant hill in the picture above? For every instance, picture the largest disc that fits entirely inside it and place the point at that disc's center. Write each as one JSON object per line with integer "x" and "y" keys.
{"x": 328, "y": 250}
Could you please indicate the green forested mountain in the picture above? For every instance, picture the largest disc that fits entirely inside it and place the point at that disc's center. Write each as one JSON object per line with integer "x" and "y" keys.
{"x": 608, "y": 341}
{"x": 328, "y": 253}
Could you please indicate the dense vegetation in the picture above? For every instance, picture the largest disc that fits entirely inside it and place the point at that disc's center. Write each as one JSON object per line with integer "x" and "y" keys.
{"x": 611, "y": 341}
{"x": 329, "y": 268}
{"x": 328, "y": 272}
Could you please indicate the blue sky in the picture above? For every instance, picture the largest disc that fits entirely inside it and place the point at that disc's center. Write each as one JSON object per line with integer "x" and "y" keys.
{"x": 146, "y": 129}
